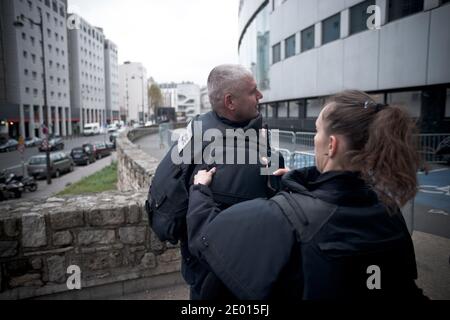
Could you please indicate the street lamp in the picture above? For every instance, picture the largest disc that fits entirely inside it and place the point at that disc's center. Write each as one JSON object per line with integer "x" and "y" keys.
{"x": 19, "y": 23}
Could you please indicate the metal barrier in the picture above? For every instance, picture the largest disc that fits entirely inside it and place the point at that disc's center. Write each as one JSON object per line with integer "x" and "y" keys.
{"x": 428, "y": 144}
{"x": 302, "y": 159}
{"x": 304, "y": 141}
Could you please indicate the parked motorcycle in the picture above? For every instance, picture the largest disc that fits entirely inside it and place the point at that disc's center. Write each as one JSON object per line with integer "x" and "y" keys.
{"x": 29, "y": 183}
{"x": 11, "y": 190}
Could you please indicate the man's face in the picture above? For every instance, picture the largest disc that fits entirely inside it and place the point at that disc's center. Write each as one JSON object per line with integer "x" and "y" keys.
{"x": 247, "y": 99}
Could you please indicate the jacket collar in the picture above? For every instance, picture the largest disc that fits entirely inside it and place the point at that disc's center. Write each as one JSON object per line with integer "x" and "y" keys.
{"x": 342, "y": 188}
{"x": 255, "y": 123}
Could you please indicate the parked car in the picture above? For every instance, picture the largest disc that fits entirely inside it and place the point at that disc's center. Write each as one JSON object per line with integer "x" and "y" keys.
{"x": 103, "y": 149}
{"x": 33, "y": 142}
{"x": 60, "y": 163}
{"x": 83, "y": 155}
{"x": 54, "y": 145}
{"x": 113, "y": 138}
{"x": 10, "y": 145}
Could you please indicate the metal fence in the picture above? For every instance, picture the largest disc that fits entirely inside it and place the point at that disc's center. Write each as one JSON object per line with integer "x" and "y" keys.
{"x": 302, "y": 144}
{"x": 428, "y": 144}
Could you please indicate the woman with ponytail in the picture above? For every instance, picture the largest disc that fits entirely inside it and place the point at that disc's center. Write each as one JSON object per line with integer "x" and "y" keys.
{"x": 336, "y": 231}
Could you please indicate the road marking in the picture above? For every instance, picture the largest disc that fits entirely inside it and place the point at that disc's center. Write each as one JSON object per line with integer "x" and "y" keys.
{"x": 434, "y": 171}
{"x": 436, "y": 211}
{"x": 436, "y": 190}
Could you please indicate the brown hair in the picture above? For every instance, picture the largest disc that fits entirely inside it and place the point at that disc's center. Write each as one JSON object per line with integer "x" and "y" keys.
{"x": 381, "y": 141}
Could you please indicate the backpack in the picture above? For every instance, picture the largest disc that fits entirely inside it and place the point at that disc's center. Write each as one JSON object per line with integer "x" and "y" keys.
{"x": 307, "y": 215}
{"x": 167, "y": 204}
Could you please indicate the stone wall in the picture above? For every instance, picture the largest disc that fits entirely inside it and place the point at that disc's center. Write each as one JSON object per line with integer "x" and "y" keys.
{"x": 135, "y": 167}
{"x": 106, "y": 235}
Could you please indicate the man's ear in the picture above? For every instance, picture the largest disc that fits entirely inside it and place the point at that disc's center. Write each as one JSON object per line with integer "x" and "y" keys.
{"x": 228, "y": 102}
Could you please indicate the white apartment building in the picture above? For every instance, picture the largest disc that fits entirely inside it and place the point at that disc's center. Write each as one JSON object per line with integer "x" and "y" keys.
{"x": 184, "y": 97}
{"x": 22, "y": 108}
{"x": 169, "y": 94}
{"x": 302, "y": 51}
{"x": 205, "y": 104}
{"x": 87, "y": 75}
{"x": 133, "y": 92}
{"x": 112, "y": 82}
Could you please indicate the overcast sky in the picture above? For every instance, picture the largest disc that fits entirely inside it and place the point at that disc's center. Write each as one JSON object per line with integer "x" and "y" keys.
{"x": 176, "y": 40}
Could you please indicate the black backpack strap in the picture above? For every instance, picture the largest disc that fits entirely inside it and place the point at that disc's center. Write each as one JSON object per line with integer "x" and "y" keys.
{"x": 306, "y": 213}
{"x": 292, "y": 212}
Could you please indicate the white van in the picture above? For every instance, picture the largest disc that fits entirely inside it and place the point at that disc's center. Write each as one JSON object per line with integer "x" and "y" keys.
{"x": 91, "y": 129}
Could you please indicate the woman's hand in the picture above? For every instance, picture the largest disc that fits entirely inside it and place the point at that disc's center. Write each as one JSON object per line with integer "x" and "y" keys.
{"x": 281, "y": 172}
{"x": 204, "y": 177}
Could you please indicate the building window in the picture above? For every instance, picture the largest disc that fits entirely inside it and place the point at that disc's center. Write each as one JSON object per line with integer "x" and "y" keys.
{"x": 412, "y": 100}
{"x": 398, "y": 9}
{"x": 25, "y": 54}
{"x": 263, "y": 110}
{"x": 282, "y": 110}
{"x": 33, "y": 58}
{"x": 359, "y": 16}
{"x": 289, "y": 45}
{"x": 55, "y": 6}
{"x": 276, "y": 53}
{"x": 308, "y": 39}
{"x": 32, "y": 41}
{"x": 34, "y": 75}
{"x": 314, "y": 107}
{"x": 294, "y": 109}
{"x": 35, "y": 92}
{"x": 331, "y": 28}
{"x": 27, "y": 90}
{"x": 25, "y": 72}
{"x": 270, "y": 110}
{"x": 24, "y": 36}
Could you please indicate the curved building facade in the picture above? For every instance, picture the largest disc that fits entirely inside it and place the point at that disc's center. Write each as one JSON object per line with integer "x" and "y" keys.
{"x": 302, "y": 51}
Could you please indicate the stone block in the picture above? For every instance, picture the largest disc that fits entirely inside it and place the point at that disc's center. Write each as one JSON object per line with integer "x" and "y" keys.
{"x": 28, "y": 280}
{"x": 63, "y": 238}
{"x": 33, "y": 231}
{"x": 8, "y": 249}
{"x": 132, "y": 235}
{"x": 103, "y": 260}
{"x": 36, "y": 263}
{"x": 106, "y": 217}
{"x": 10, "y": 227}
{"x": 133, "y": 214}
{"x": 169, "y": 256}
{"x": 66, "y": 220}
{"x": 88, "y": 237}
{"x": 56, "y": 269}
{"x": 148, "y": 261}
